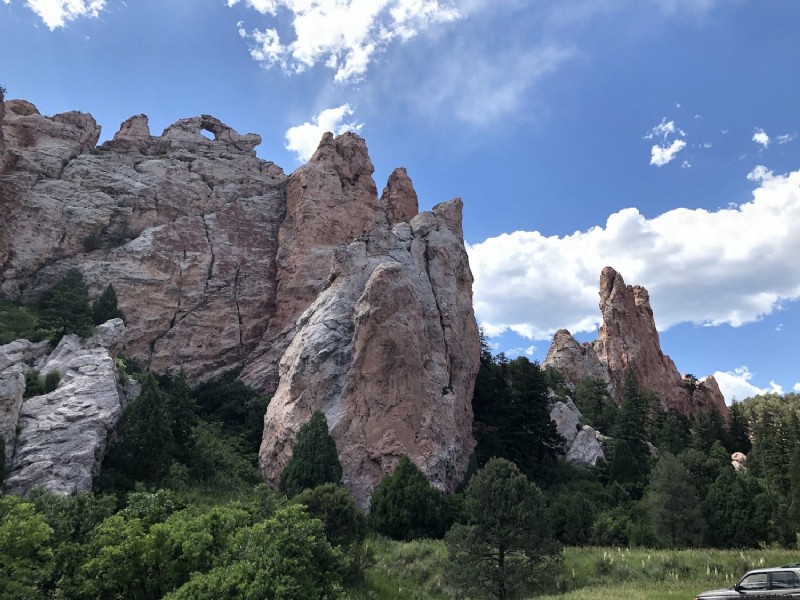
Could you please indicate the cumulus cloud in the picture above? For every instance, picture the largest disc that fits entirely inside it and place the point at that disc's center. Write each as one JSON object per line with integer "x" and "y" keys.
{"x": 796, "y": 387}
{"x": 761, "y": 138}
{"x": 760, "y": 173}
{"x": 661, "y": 155}
{"x": 735, "y": 385}
{"x": 730, "y": 266}
{"x": 304, "y": 139}
{"x": 56, "y": 13}
{"x": 343, "y": 35}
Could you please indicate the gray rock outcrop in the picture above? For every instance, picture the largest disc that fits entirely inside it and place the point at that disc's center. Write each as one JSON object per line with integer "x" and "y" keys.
{"x": 61, "y": 437}
{"x": 582, "y": 445}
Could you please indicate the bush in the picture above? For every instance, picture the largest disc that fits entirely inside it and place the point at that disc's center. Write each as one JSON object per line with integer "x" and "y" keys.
{"x": 35, "y": 385}
{"x": 405, "y": 506}
{"x": 65, "y": 308}
{"x": 105, "y": 308}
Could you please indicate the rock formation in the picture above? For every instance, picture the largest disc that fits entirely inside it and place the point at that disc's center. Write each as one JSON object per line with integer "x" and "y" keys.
{"x": 628, "y": 339}
{"x": 57, "y": 440}
{"x": 583, "y": 445}
{"x": 221, "y": 261}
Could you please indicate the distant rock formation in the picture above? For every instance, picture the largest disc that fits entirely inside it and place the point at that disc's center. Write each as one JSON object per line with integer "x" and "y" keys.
{"x": 58, "y": 440}
{"x": 221, "y": 261}
{"x": 583, "y": 445}
{"x": 628, "y": 339}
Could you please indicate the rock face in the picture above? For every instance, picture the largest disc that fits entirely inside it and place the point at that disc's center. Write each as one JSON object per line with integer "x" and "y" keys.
{"x": 221, "y": 261}
{"x": 582, "y": 443}
{"x": 61, "y": 437}
{"x": 388, "y": 351}
{"x": 628, "y": 339}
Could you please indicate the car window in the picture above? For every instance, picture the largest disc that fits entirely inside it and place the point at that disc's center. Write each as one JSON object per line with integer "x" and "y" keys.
{"x": 754, "y": 581}
{"x": 785, "y": 579}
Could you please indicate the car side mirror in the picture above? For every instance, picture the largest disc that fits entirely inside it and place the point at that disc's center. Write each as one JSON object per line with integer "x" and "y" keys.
{"x": 737, "y": 588}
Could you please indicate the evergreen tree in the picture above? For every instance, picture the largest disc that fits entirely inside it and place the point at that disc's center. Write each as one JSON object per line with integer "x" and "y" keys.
{"x": 673, "y": 504}
{"x": 708, "y": 427}
{"x": 732, "y": 512}
{"x": 596, "y": 404}
{"x": 405, "y": 506}
{"x": 314, "y": 460}
{"x": 738, "y": 429}
{"x": 670, "y": 431}
{"x": 794, "y": 493}
{"x": 632, "y": 423}
{"x": 145, "y": 445}
{"x": 105, "y": 308}
{"x": 65, "y": 307}
{"x": 625, "y": 469}
{"x": 505, "y": 548}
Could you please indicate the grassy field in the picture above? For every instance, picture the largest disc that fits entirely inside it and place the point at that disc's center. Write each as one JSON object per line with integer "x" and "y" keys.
{"x": 417, "y": 571}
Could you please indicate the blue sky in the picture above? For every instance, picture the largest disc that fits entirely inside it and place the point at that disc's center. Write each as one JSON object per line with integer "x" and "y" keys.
{"x": 655, "y": 136}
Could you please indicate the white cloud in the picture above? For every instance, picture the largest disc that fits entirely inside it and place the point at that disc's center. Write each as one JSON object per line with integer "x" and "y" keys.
{"x": 56, "y": 13}
{"x": 796, "y": 387}
{"x": 760, "y": 173}
{"x": 735, "y": 385}
{"x": 785, "y": 138}
{"x": 661, "y": 155}
{"x": 304, "y": 139}
{"x": 343, "y": 35}
{"x": 664, "y": 130}
{"x": 761, "y": 138}
{"x": 730, "y": 266}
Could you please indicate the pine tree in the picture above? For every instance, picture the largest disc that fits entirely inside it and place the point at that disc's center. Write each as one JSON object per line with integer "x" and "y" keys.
{"x": 314, "y": 460}
{"x": 505, "y": 547}
{"x": 145, "y": 445}
{"x": 105, "y": 308}
{"x": 65, "y": 307}
{"x": 738, "y": 429}
{"x": 632, "y": 423}
{"x": 405, "y": 506}
{"x": 673, "y": 504}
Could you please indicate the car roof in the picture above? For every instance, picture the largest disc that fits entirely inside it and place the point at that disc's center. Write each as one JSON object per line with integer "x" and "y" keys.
{"x": 774, "y": 570}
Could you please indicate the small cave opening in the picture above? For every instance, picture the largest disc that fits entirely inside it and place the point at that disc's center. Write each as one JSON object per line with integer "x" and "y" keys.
{"x": 208, "y": 134}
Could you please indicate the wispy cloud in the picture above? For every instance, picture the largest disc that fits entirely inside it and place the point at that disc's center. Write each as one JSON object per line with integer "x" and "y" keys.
{"x": 730, "y": 266}
{"x": 56, "y": 13}
{"x": 785, "y": 138}
{"x": 343, "y": 35}
{"x": 304, "y": 139}
{"x": 664, "y": 130}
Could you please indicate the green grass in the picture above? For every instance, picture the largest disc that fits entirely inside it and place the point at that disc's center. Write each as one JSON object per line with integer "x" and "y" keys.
{"x": 416, "y": 571}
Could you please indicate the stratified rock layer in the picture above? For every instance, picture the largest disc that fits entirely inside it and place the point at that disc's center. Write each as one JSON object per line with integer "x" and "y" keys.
{"x": 61, "y": 437}
{"x": 628, "y": 339}
{"x": 220, "y": 261}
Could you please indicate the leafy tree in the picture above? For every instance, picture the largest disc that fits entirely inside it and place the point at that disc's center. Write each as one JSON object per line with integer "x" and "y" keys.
{"x": 18, "y": 322}
{"x": 286, "y": 556}
{"x": 611, "y": 528}
{"x": 26, "y": 558}
{"x": 572, "y": 516}
{"x": 105, "y": 307}
{"x": 220, "y": 461}
{"x": 505, "y": 548}
{"x": 345, "y": 524}
{"x": 65, "y": 307}
{"x": 673, "y": 504}
{"x": 405, "y": 506}
{"x": 314, "y": 460}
